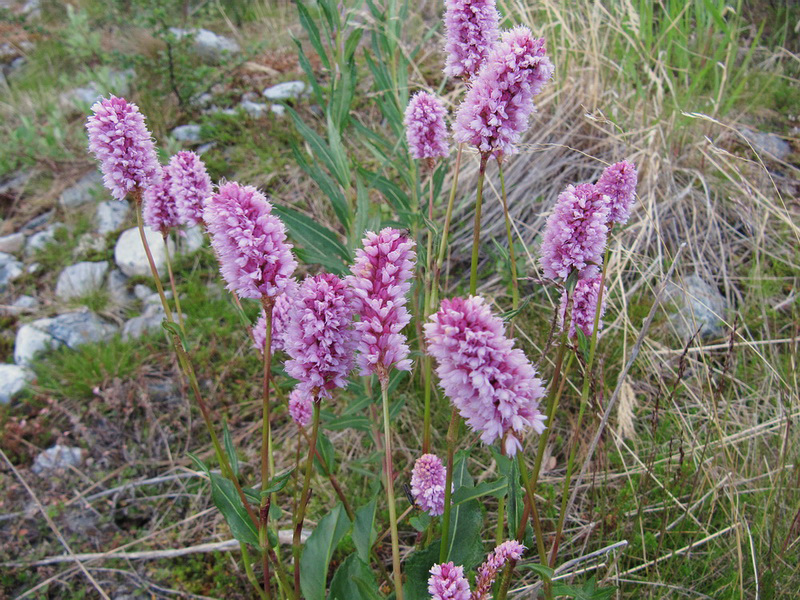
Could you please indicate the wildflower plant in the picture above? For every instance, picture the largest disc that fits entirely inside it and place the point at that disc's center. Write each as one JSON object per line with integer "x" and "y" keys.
{"x": 373, "y": 312}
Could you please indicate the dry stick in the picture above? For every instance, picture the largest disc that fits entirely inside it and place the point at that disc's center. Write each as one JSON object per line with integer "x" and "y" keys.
{"x": 587, "y": 377}
{"x": 383, "y": 377}
{"x": 301, "y": 509}
{"x": 52, "y": 526}
{"x": 175, "y": 295}
{"x": 634, "y": 353}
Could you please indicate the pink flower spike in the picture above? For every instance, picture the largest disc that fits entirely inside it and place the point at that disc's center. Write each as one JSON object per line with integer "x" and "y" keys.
{"x": 496, "y": 109}
{"x": 426, "y": 131}
{"x": 255, "y": 259}
{"x": 427, "y": 484}
{"x": 319, "y": 337}
{"x": 301, "y": 405}
{"x": 576, "y": 233}
{"x": 492, "y": 384}
{"x": 618, "y": 183}
{"x": 119, "y": 139}
{"x": 280, "y": 318}
{"x": 381, "y": 279}
{"x": 487, "y": 572}
{"x": 471, "y": 27}
{"x": 190, "y": 185}
{"x": 447, "y": 582}
{"x": 584, "y": 304}
{"x": 158, "y": 208}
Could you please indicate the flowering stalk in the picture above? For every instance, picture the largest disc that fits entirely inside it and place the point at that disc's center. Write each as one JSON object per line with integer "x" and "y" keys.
{"x": 452, "y": 430}
{"x": 476, "y": 231}
{"x": 437, "y": 269}
{"x": 301, "y": 508}
{"x": 389, "y": 468}
{"x": 175, "y": 294}
{"x": 584, "y": 401}
{"x": 267, "y": 460}
{"x": 514, "y": 280}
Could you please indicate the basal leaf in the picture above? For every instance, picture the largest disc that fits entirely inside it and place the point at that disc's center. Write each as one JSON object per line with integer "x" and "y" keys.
{"x": 318, "y": 551}
{"x": 364, "y": 533}
{"x": 227, "y": 500}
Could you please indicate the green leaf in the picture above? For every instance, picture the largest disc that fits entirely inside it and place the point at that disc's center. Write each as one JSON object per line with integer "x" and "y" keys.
{"x": 277, "y": 483}
{"x": 307, "y": 21}
{"x": 327, "y": 185}
{"x": 352, "y": 43}
{"x": 357, "y": 422}
{"x": 338, "y": 153}
{"x": 318, "y": 551}
{"x": 364, "y": 534}
{"x": 198, "y": 463}
{"x": 589, "y": 591}
{"x": 321, "y": 241}
{"x": 464, "y": 538}
{"x": 396, "y": 197}
{"x": 496, "y": 488}
{"x": 545, "y": 573}
{"x": 319, "y": 148}
{"x": 230, "y": 450}
{"x": 417, "y": 568}
{"x": 227, "y": 500}
{"x": 510, "y": 314}
{"x": 344, "y": 585}
{"x": 309, "y": 71}
{"x": 326, "y": 451}
{"x": 420, "y": 521}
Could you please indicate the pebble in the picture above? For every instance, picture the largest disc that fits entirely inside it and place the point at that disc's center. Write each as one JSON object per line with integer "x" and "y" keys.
{"x": 57, "y": 457}
{"x": 81, "y": 279}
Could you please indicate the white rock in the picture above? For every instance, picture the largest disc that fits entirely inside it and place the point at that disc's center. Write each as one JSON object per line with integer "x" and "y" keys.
{"x": 255, "y": 109}
{"x": 89, "y": 242}
{"x": 278, "y": 109}
{"x": 57, "y": 457}
{"x": 149, "y": 321}
{"x": 141, "y": 291}
{"x": 82, "y": 192}
{"x": 111, "y": 215}
{"x": 208, "y": 45}
{"x": 130, "y": 256}
{"x": 113, "y": 82}
{"x": 33, "y": 268}
{"x": 191, "y": 240}
{"x": 118, "y": 287}
{"x": 81, "y": 279}
{"x": 41, "y": 239}
{"x": 700, "y": 306}
{"x": 25, "y": 302}
{"x": 768, "y": 143}
{"x": 10, "y": 269}
{"x": 13, "y": 380}
{"x": 288, "y": 90}
{"x": 202, "y": 149}
{"x": 12, "y": 243}
{"x": 33, "y": 338}
{"x": 37, "y": 221}
{"x": 187, "y": 133}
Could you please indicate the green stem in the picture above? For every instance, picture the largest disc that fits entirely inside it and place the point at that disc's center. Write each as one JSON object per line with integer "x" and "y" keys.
{"x": 448, "y": 485}
{"x": 498, "y": 534}
{"x": 427, "y": 361}
{"x": 476, "y": 230}
{"x": 248, "y": 569}
{"x": 266, "y": 441}
{"x": 514, "y": 280}
{"x": 437, "y": 269}
{"x": 137, "y": 195}
{"x": 388, "y": 467}
{"x": 301, "y": 509}
{"x": 175, "y": 294}
{"x": 587, "y": 377}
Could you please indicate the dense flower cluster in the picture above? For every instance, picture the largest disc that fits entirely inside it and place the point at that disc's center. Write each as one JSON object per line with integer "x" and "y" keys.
{"x": 427, "y": 484}
{"x": 250, "y": 242}
{"x": 447, "y": 582}
{"x": 119, "y": 139}
{"x": 426, "y": 131}
{"x": 576, "y": 233}
{"x": 190, "y": 185}
{"x": 618, "y": 185}
{"x": 497, "y": 107}
{"x": 280, "y": 317}
{"x": 491, "y": 383}
{"x": 319, "y": 337}
{"x": 471, "y": 28}
{"x": 381, "y": 278}
{"x": 510, "y": 550}
{"x": 301, "y": 405}
{"x": 158, "y": 206}
{"x": 584, "y": 305}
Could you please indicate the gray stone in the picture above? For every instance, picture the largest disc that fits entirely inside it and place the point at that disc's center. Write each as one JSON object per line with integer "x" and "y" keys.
{"x": 216, "y": 110}
{"x": 205, "y": 148}
{"x": 141, "y": 291}
{"x": 130, "y": 256}
{"x": 699, "y": 306}
{"x": 255, "y": 109}
{"x": 14, "y": 182}
{"x": 33, "y": 268}
{"x": 118, "y": 288}
{"x": 82, "y": 192}
{"x": 768, "y": 143}
{"x": 10, "y": 269}
{"x": 155, "y": 299}
{"x": 81, "y": 279}
{"x": 208, "y": 45}
{"x": 187, "y": 133}
{"x": 203, "y": 100}
{"x": 42, "y": 238}
{"x": 13, "y": 380}
{"x": 25, "y": 303}
{"x": 57, "y": 457}
{"x": 148, "y": 322}
{"x": 70, "y": 329}
{"x": 112, "y": 82}
{"x": 289, "y": 90}
{"x": 88, "y": 243}
{"x": 191, "y": 240}
{"x": 37, "y": 221}
{"x": 12, "y": 243}
{"x": 111, "y": 215}
{"x": 278, "y": 109}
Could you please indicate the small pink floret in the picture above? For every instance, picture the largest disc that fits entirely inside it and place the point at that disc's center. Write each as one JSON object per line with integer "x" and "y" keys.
{"x": 426, "y": 131}
{"x": 447, "y": 582}
{"x": 427, "y": 484}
